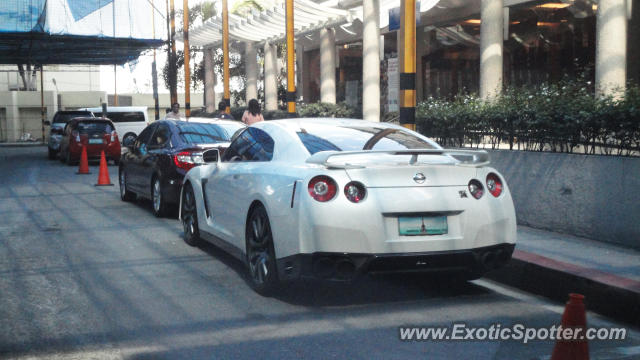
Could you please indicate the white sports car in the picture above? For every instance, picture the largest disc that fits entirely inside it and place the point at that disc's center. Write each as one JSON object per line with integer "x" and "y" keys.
{"x": 333, "y": 199}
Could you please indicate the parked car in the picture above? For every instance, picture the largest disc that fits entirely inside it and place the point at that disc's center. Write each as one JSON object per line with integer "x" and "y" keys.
{"x": 333, "y": 199}
{"x": 97, "y": 134}
{"x": 160, "y": 157}
{"x": 57, "y": 125}
{"x": 129, "y": 120}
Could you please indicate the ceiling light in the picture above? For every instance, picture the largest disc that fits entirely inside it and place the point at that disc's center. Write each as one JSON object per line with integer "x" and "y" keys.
{"x": 553, "y": 6}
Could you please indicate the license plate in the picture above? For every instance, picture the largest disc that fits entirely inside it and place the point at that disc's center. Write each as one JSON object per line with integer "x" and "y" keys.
{"x": 95, "y": 141}
{"x": 422, "y": 225}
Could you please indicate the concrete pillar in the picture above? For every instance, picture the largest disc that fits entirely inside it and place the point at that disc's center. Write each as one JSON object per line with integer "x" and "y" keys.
{"x": 251, "y": 67}
{"x": 300, "y": 65}
{"x": 420, "y": 51}
{"x": 611, "y": 48}
{"x": 14, "y": 130}
{"x": 371, "y": 60}
{"x": 491, "y": 49}
{"x": 270, "y": 77}
{"x": 327, "y": 66}
{"x": 209, "y": 82}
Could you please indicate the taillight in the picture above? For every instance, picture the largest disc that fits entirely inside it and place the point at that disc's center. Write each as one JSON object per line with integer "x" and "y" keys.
{"x": 322, "y": 188}
{"x": 76, "y": 135}
{"x": 187, "y": 160}
{"x": 114, "y": 136}
{"x": 476, "y": 189}
{"x": 494, "y": 184}
{"x": 355, "y": 191}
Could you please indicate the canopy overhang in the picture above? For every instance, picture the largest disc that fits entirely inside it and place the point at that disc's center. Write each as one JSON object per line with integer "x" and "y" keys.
{"x": 269, "y": 25}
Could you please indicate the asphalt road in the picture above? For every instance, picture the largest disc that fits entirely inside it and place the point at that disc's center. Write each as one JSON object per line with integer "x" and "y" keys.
{"x": 84, "y": 275}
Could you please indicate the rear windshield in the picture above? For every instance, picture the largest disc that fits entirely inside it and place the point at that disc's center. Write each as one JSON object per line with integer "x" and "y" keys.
{"x": 93, "y": 127}
{"x": 201, "y": 133}
{"x": 63, "y": 118}
{"x": 118, "y": 117}
{"x": 353, "y": 138}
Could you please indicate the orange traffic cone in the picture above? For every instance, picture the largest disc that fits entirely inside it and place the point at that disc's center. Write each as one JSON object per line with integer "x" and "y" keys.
{"x": 103, "y": 175}
{"x": 574, "y": 317}
{"x": 83, "y": 167}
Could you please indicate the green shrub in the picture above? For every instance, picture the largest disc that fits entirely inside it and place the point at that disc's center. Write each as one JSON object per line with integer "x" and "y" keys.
{"x": 562, "y": 117}
{"x": 341, "y": 110}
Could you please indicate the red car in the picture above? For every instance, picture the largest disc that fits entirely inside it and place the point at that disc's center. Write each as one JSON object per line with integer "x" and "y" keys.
{"x": 96, "y": 134}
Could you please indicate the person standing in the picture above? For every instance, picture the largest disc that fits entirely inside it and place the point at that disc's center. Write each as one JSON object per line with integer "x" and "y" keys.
{"x": 221, "y": 114}
{"x": 253, "y": 114}
{"x": 175, "y": 112}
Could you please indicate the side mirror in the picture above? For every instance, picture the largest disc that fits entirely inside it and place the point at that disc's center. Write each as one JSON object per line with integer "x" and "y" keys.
{"x": 129, "y": 140}
{"x": 211, "y": 156}
{"x": 47, "y": 123}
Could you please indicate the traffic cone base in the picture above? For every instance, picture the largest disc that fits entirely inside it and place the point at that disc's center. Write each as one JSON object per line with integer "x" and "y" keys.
{"x": 83, "y": 166}
{"x": 103, "y": 175}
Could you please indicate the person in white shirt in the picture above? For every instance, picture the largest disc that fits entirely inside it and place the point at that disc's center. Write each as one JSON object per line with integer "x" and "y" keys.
{"x": 175, "y": 112}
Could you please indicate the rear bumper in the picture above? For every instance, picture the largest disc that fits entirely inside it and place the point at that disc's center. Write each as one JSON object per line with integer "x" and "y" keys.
{"x": 348, "y": 266}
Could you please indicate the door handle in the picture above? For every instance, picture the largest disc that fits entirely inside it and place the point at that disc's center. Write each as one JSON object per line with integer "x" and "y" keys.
{"x": 236, "y": 177}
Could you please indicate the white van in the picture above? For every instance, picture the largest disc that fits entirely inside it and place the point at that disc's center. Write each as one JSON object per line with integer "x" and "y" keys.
{"x": 127, "y": 119}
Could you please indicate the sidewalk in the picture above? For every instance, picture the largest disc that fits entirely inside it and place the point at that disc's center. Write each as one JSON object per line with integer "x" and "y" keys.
{"x": 554, "y": 265}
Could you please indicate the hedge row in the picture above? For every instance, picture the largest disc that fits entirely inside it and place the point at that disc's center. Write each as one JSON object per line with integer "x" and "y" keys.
{"x": 560, "y": 117}
{"x": 340, "y": 110}
{"x": 563, "y": 117}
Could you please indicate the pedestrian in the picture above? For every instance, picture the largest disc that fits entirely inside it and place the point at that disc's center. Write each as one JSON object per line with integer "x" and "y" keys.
{"x": 253, "y": 114}
{"x": 175, "y": 112}
{"x": 222, "y": 114}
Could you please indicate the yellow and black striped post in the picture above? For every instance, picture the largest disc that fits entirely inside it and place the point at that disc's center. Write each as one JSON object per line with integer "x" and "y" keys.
{"x": 291, "y": 53}
{"x": 408, "y": 64}
{"x": 225, "y": 55}
{"x": 187, "y": 58}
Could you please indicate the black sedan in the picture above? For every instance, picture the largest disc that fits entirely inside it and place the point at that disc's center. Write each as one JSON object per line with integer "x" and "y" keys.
{"x": 157, "y": 160}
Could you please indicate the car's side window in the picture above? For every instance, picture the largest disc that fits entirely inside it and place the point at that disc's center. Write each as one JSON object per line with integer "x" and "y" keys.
{"x": 160, "y": 137}
{"x": 252, "y": 144}
{"x": 143, "y": 138}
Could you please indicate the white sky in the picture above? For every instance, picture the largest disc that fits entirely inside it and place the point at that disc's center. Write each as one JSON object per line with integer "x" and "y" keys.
{"x": 136, "y": 78}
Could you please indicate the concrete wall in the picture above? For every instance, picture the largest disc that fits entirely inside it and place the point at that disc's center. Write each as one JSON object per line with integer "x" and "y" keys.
{"x": 21, "y": 111}
{"x": 585, "y": 195}
{"x": 71, "y": 100}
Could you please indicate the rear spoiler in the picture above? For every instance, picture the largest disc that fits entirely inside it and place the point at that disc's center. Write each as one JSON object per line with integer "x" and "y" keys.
{"x": 473, "y": 158}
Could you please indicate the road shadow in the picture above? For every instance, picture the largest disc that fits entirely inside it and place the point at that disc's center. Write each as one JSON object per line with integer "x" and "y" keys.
{"x": 366, "y": 289}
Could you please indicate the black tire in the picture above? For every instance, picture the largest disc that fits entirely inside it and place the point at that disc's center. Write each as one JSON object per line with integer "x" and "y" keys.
{"x": 125, "y": 195}
{"x": 261, "y": 259}
{"x": 158, "y": 204}
{"x": 189, "y": 217}
{"x": 52, "y": 154}
{"x": 68, "y": 160}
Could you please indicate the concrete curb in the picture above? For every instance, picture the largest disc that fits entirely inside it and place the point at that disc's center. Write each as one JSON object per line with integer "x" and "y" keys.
{"x": 22, "y": 144}
{"x": 605, "y": 293}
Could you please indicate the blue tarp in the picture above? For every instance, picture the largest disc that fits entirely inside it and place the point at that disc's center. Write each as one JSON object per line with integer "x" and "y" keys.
{"x": 77, "y": 31}
{"x": 22, "y": 15}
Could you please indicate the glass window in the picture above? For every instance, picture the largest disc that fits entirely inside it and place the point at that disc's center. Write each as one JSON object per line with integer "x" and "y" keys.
{"x": 314, "y": 143}
{"x": 64, "y": 117}
{"x": 130, "y": 116}
{"x": 94, "y": 127}
{"x": 144, "y": 136}
{"x": 352, "y": 138}
{"x": 202, "y": 133}
{"x": 161, "y": 136}
{"x": 251, "y": 145}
